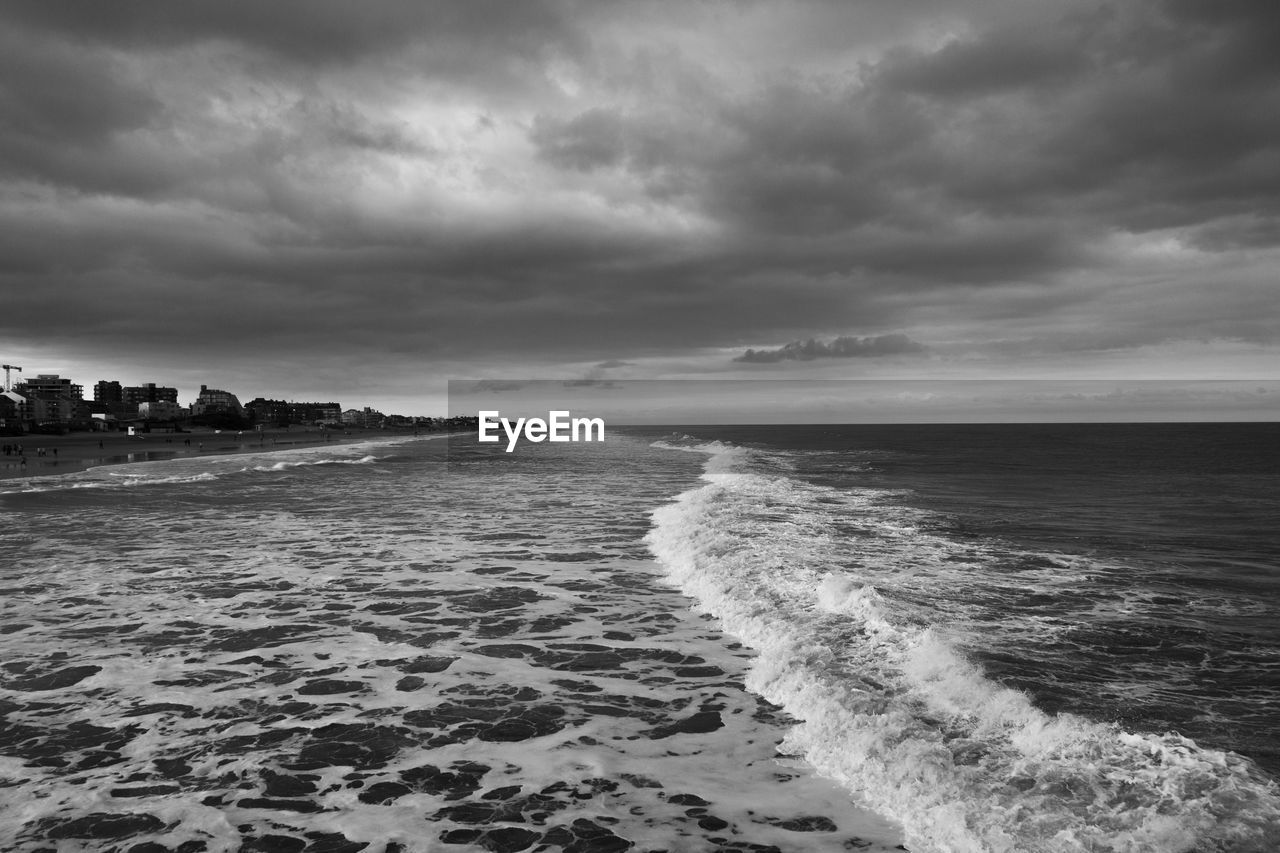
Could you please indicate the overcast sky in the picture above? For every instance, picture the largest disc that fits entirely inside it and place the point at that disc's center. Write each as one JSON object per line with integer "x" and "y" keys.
{"x": 358, "y": 201}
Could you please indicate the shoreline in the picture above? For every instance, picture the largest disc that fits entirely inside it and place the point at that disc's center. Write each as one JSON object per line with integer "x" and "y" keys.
{"x": 80, "y": 451}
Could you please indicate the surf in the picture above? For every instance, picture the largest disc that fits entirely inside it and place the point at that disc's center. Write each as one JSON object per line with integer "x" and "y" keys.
{"x": 895, "y": 712}
{"x": 206, "y": 468}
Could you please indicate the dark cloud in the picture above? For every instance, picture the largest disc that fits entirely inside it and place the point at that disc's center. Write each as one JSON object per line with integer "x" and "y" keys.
{"x": 588, "y": 141}
{"x": 589, "y": 382}
{"x": 310, "y": 31}
{"x": 1248, "y": 231}
{"x": 63, "y": 108}
{"x": 57, "y": 93}
{"x": 483, "y": 386}
{"x": 998, "y": 156}
{"x": 1001, "y": 61}
{"x": 1136, "y": 116}
{"x": 845, "y": 346}
{"x": 568, "y": 182}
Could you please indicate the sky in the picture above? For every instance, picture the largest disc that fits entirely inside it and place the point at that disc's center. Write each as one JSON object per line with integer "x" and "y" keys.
{"x": 623, "y": 402}
{"x": 357, "y": 202}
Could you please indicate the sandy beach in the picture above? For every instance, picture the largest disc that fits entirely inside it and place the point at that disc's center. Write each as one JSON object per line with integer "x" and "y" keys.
{"x": 78, "y": 451}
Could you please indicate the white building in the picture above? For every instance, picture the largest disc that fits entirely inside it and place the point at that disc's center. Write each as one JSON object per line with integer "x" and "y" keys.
{"x": 15, "y": 410}
{"x": 160, "y": 410}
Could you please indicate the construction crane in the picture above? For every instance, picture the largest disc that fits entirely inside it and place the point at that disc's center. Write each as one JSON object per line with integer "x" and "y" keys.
{"x": 8, "y": 386}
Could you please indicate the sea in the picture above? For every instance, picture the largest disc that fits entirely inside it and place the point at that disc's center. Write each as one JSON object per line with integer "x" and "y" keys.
{"x": 955, "y": 638}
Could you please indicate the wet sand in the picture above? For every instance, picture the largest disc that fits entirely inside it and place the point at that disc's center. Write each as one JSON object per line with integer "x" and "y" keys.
{"x": 78, "y": 451}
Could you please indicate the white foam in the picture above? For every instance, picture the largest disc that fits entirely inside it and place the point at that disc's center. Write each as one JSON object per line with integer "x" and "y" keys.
{"x": 368, "y": 570}
{"x": 892, "y": 710}
{"x": 285, "y": 466}
{"x": 194, "y": 469}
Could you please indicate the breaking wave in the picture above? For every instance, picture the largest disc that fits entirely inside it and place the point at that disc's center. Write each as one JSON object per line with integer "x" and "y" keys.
{"x": 203, "y": 468}
{"x": 894, "y": 711}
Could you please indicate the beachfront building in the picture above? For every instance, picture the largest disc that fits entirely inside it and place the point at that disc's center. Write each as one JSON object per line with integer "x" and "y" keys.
{"x": 161, "y": 410}
{"x": 108, "y": 400}
{"x": 325, "y": 413}
{"x": 111, "y": 397}
{"x": 211, "y": 401}
{"x": 266, "y": 412}
{"x": 136, "y": 395}
{"x": 280, "y": 413}
{"x": 367, "y": 418}
{"x": 51, "y": 385}
{"x": 54, "y": 402}
{"x": 108, "y": 396}
{"x": 14, "y": 412}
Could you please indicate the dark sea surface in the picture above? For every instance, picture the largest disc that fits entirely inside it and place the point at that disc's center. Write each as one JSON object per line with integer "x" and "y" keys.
{"x": 960, "y": 638}
{"x": 365, "y": 648}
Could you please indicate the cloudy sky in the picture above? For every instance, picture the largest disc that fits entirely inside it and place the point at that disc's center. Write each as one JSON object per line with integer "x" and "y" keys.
{"x": 359, "y": 201}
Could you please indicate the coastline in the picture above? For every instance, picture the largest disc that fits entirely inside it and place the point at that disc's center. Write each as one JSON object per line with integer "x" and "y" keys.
{"x": 80, "y": 451}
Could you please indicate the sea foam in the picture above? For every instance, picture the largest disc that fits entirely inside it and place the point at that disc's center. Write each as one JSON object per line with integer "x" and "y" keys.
{"x": 894, "y": 711}
{"x": 202, "y": 468}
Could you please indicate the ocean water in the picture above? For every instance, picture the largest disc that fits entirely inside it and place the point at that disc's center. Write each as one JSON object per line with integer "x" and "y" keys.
{"x": 792, "y": 638}
{"x": 1009, "y": 637}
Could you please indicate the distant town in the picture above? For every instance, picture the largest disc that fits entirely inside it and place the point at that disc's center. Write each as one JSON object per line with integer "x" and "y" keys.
{"x": 53, "y": 404}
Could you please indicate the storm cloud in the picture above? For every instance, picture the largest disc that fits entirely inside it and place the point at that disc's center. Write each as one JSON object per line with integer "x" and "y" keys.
{"x": 841, "y": 347}
{"x": 466, "y": 189}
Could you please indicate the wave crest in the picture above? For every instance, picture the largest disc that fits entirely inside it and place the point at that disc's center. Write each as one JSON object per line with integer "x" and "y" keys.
{"x": 893, "y": 711}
